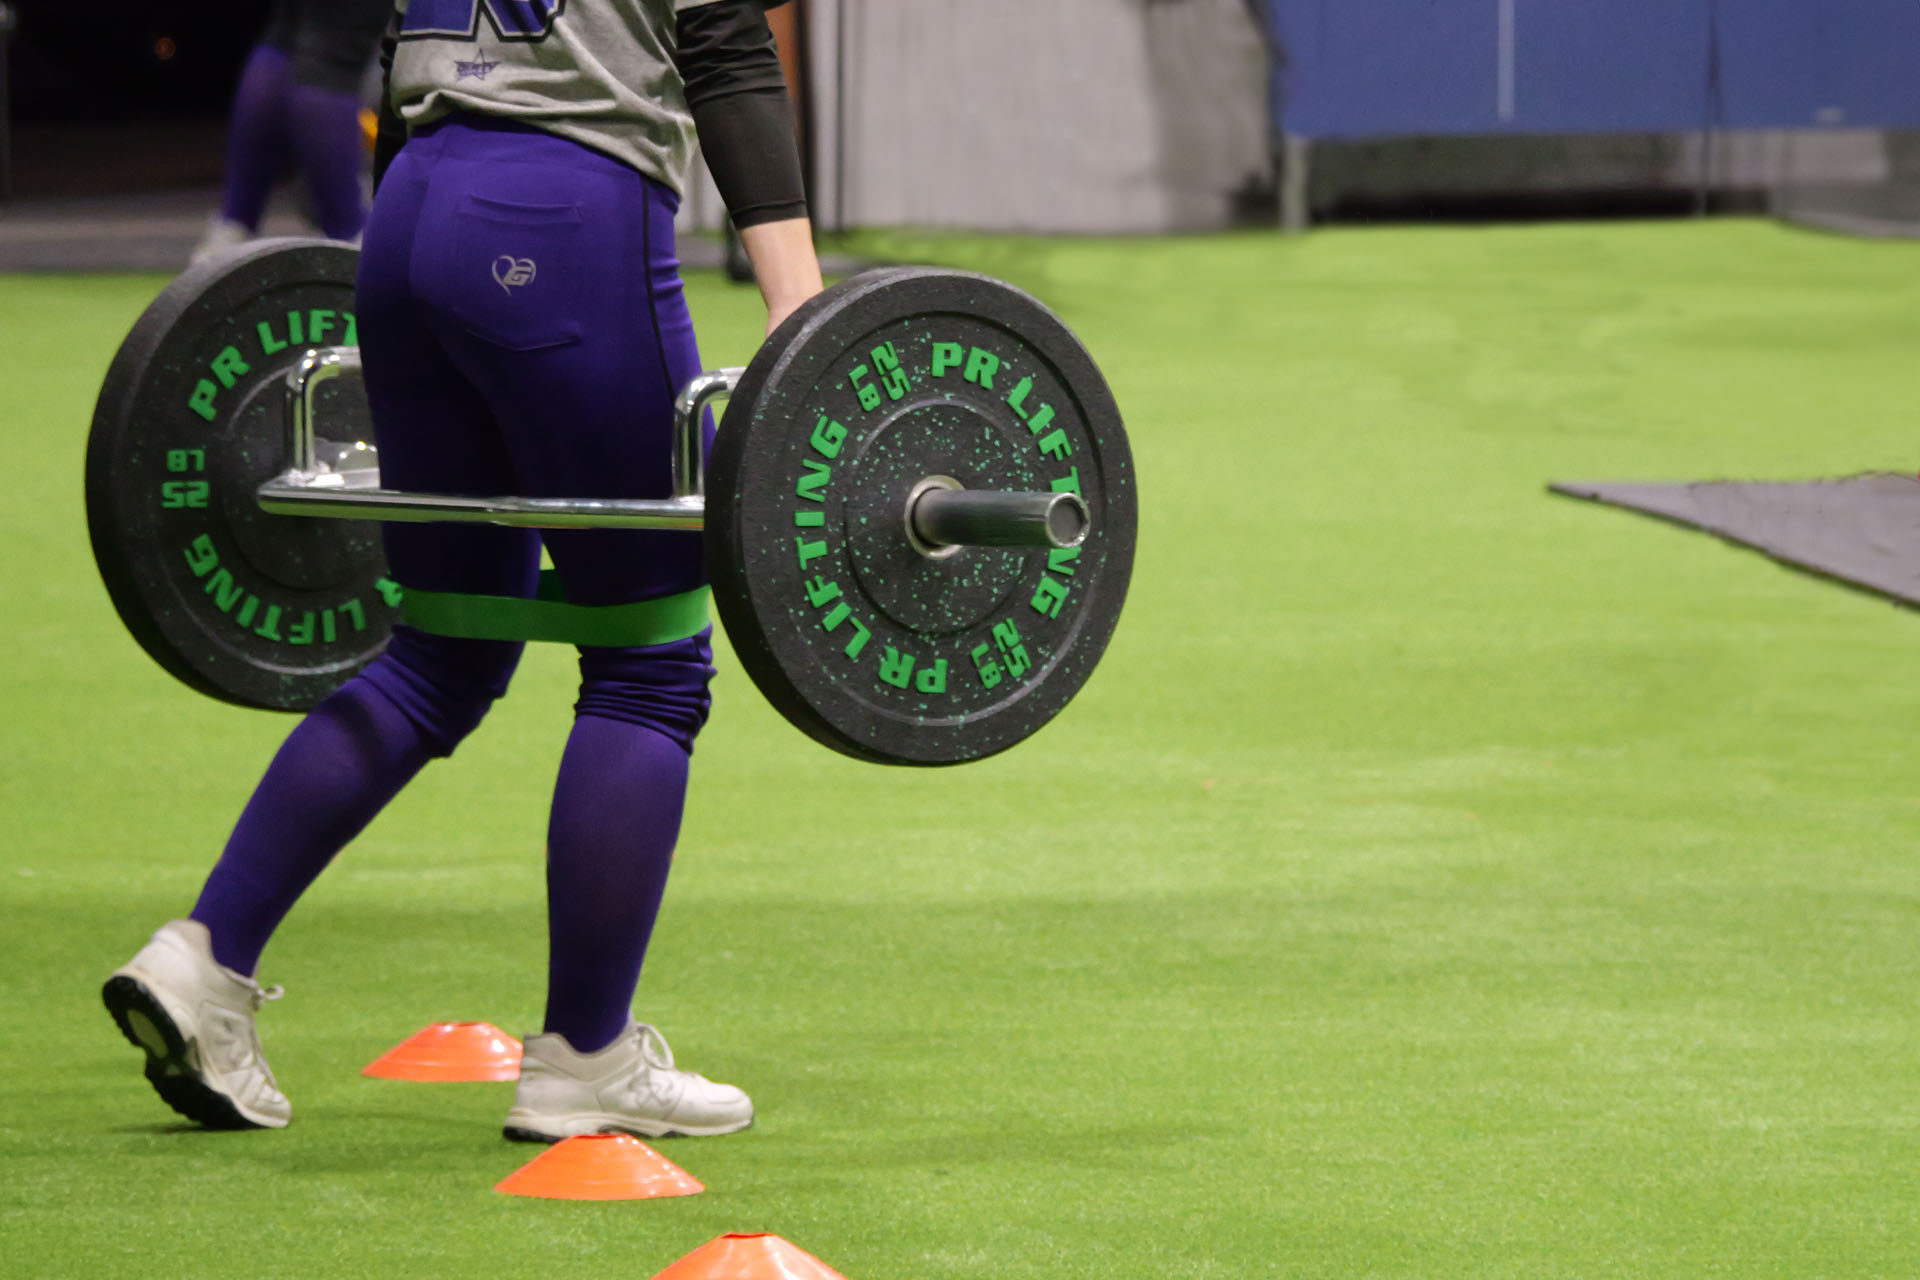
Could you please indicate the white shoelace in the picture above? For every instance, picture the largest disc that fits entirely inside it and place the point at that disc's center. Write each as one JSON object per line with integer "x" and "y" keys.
{"x": 653, "y": 1046}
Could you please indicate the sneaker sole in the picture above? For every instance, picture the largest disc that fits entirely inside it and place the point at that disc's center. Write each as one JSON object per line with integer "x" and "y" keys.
{"x": 520, "y": 1133}
{"x": 147, "y": 1025}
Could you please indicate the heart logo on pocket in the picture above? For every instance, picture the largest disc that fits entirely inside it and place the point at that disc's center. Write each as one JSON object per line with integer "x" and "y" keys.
{"x": 510, "y": 272}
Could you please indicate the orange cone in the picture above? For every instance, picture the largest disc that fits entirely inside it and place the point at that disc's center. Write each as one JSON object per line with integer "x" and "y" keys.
{"x": 450, "y": 1051}
{"x": 600, "y": 1166}
{"x": 755, "y": 1256}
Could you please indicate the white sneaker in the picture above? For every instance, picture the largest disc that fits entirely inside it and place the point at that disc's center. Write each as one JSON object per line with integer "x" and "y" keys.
{"x": 194, "y": 1018}
{"x": 222, "y": 237}
{"x": 630, "y": 1086}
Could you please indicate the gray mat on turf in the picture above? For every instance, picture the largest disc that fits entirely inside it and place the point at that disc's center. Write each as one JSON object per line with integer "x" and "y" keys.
{"x": 1862, "y": 530}
{"x": 1883, "y": 212}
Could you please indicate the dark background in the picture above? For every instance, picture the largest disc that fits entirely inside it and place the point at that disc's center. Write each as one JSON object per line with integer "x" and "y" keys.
{"x": 111, "y": 97}
{"x": 111, "y": 60}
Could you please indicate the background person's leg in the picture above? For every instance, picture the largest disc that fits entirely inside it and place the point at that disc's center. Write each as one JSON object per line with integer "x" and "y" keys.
{"x": 257, "y": 142}
{"x": 333, "y": 43}
{"x": 324, "y": 125}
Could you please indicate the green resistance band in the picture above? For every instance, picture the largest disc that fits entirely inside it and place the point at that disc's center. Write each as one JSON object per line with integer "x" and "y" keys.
{"x": 549, "y": 618}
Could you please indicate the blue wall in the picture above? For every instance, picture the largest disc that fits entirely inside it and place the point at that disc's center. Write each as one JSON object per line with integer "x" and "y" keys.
{"x": 1386, "y": 68}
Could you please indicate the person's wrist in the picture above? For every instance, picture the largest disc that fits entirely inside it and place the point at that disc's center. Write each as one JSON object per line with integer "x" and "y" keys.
{"x": 784, "y": 294}
{"x": 788, "y": 296}
{"x": 780, "y": 307}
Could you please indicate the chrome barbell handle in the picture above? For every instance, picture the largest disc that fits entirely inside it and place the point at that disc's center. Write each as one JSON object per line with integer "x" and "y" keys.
{"x": 321, "y": 365}
{"x": 689, "y": 452}
{"x": 315, "y": 369}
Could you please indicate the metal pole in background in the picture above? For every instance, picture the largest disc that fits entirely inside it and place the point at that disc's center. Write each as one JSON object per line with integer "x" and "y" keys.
{"x": 840, "y": 115}
{"x": 1713, "y": 116}
{"x": 800, "y": 83}
{"x": 6, "y": 101}
{"x": 1296, "y": 154}
{"x": 849, "y": 60}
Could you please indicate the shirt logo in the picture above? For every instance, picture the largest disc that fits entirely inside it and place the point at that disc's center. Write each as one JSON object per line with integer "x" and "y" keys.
{"x": 510, "y": 272}
{"x": 478, "y": 69}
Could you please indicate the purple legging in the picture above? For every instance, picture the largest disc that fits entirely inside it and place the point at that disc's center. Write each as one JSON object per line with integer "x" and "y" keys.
{"x": 553, "y": 374}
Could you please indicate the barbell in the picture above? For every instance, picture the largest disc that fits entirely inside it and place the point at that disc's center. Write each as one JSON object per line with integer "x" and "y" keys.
{"x": 919, "y": 507}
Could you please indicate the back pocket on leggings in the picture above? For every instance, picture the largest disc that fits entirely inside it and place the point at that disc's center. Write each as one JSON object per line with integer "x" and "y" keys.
{"x": 518, "y": 272}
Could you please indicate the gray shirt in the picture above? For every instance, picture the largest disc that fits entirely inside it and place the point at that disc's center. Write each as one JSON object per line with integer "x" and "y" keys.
{"x": 597, "y": 72}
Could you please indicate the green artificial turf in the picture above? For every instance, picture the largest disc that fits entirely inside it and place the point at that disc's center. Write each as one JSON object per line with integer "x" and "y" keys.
{"x": 1437, "y": 879}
